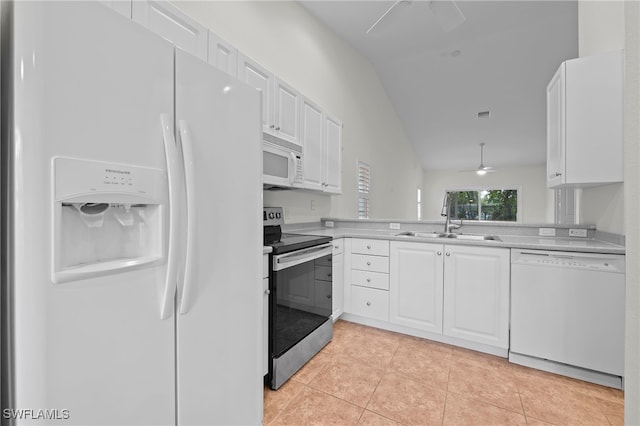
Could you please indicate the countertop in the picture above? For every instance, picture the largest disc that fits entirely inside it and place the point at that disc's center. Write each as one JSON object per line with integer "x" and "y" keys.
{"x": 571, "y": 244}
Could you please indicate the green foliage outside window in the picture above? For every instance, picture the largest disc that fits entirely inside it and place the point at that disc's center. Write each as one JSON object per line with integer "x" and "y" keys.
{"x": 494, "y": 205}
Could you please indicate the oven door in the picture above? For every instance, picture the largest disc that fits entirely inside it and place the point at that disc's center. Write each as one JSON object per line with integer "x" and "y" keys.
{"x": 300, "y": 302}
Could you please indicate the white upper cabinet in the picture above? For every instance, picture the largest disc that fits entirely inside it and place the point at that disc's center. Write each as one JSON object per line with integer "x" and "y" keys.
{"x": 476, "y": 294}
{"x": 256, "y": 76}
{"x": 286, "y": 110}
{"x": 120, "y": 6}
{"x": 166, "y": 20}
{"x": 333, "y": 156}
{"x": 585, "y": 122}
{"x": 280, "y": 102}
{"x": 321, "y": 137}
{"x": 311, "y": 129}
{"x": 222, "y": 55}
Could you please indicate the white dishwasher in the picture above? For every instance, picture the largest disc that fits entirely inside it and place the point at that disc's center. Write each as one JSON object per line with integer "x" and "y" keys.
{"x": 567, "y": 313}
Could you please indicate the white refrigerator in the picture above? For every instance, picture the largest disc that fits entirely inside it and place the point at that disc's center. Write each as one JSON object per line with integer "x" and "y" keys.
{"x": 131, "y": 228}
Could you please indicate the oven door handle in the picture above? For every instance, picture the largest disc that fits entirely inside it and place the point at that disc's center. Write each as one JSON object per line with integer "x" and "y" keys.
{"x": 287, "y": 260}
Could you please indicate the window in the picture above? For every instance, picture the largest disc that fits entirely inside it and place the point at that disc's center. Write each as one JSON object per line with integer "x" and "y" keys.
{"x": 419, "y": 202}
{"x": 499, "y": 205}
{"x": 364, "y": 186}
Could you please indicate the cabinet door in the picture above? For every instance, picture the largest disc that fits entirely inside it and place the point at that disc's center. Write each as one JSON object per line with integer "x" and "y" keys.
{"x": 286, "y": 111}
{"x": 333, "y": 156}
{"x": 311, "y": 120}
{"x": 169, "y": 22}
{"x": 337, "y": 286}
{"x": 256, "y": 76}
{"x": 555, "y": 129}
{"x": 223, "y": 55}
{"x": 415, "y": 285}
{"x": 476, "y": 294}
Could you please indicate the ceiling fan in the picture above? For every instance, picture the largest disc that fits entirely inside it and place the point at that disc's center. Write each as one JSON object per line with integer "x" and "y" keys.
{"x": 482, "y": 169}
{"x": 446, "y": 12}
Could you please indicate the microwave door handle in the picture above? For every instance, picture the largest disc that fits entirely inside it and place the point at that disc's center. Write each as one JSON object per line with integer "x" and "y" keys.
{"x": 174, "y": 181}
{"x": 288, "y": 260}
{"x": 292, "y": 168}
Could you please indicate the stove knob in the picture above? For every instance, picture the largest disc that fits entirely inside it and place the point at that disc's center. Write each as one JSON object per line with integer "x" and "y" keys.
{"x": 278, "y": 215}
{"x": 271, "y": 215}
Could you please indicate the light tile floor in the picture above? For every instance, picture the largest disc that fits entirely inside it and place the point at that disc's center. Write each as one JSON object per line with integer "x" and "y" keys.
{"x": 367, "y": 376}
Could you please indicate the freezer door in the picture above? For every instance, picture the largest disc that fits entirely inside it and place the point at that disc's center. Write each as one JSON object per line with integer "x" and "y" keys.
{"x": 219, "y": 324}
{"x": 87, "y": 84}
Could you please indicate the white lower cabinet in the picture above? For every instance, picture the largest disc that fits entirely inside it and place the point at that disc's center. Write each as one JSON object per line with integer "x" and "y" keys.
{"x": 370, "y": 302}
{"x": 337, "y": 282}
{"x": 476, "y": 294}
{"x": 453, "y": 290}
{"x": 415, "y": 285}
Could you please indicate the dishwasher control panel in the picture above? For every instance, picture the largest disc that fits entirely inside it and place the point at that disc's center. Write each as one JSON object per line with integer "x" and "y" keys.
{"x": 588, "y": 261}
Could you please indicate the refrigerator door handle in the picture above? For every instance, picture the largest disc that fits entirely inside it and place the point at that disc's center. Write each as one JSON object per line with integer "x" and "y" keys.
{"x": 173, "y": 177}
{"x": 187, "y": 153}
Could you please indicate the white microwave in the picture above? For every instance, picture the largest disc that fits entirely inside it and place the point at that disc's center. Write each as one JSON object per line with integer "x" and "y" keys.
{"x": 281, "y": 162}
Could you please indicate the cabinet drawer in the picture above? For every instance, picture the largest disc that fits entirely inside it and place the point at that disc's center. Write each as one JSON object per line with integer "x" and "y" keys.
{"x": 370, "y": 263}
{"x": 323, "y": 295}
{"x": 323, "y": 273}
{"x": 323, "y": 261}
{"x": 370, "y": 302}
{"x": 370, "y": 279}
{"x": 376, "y": 247}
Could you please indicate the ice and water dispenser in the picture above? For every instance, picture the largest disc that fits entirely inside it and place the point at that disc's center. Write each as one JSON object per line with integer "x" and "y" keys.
{"x": 106, "y": 218}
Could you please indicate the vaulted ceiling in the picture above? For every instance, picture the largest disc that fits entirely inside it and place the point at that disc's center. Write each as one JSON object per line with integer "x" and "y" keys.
{"x": 499, "y": 59}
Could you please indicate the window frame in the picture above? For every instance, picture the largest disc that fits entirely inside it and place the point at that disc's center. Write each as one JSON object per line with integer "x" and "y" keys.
{"x": 478, "y": 188}
{"x": 363, "y": 197}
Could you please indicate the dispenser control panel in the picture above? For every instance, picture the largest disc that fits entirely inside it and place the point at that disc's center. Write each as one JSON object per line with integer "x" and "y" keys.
{"x": 78, "y": 177}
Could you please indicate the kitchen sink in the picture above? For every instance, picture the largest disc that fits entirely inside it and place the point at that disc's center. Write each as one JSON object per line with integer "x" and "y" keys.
{"x": 421, "y": 234}
{"x": 472, "y": 237}
{"x": 476, "y": 237}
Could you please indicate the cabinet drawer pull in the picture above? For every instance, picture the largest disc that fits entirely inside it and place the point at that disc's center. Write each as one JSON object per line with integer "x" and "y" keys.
{"x": 368, "y": 303}
{"x": 439, "y": 253}
{"x": 368, "y": 280}
{"x": 448, "y": 254}
{"x": 328, "y": 296}
{"x": 368, "y": 263}
{"x": 267, "y": 291}
{"x": 368, "y": 247}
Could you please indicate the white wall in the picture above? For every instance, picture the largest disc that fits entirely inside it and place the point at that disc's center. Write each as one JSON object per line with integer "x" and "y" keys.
{"x": 530, "y": 180}
{"x": 601, "y": 28}
{"x": 286, "y": 39}
{"x": 631, "y": 209}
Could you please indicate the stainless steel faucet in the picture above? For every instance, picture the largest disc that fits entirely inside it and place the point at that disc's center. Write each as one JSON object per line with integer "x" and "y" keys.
{"x": 446, "y": 212}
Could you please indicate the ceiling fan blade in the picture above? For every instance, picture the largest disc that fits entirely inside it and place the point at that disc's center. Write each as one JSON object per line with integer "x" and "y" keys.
{"x": 384, "y": 15}
{"x": 447, "y": 13}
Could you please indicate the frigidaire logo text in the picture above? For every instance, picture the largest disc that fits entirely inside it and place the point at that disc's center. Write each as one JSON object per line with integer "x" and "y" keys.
{"x": 36, "y": 414}
{"x": 121, "y": 172}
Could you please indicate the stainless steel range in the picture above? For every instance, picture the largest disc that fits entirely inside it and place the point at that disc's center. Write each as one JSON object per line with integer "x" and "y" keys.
{"x": 300, "y": 322}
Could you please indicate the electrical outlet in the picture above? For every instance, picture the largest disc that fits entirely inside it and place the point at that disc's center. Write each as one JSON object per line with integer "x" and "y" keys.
{"x": 329, "y": 224}
{"x": 547, "y": 232}
{"x": 577, "y": 232}
{"x": 394, "y": 225}
{"x": 313, "y": 205}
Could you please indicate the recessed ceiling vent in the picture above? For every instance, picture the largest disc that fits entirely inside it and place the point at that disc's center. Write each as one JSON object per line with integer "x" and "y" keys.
{"x": 484, "y": 114}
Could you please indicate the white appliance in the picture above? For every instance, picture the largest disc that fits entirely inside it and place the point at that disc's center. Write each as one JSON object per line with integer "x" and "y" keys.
{"x": 282, "y": 163}
{"x": 567, "y": 313}
{"x": 132, "y": 289}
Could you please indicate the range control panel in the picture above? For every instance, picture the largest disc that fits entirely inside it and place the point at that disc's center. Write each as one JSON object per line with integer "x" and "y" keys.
{"x": 272, "y": 216}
